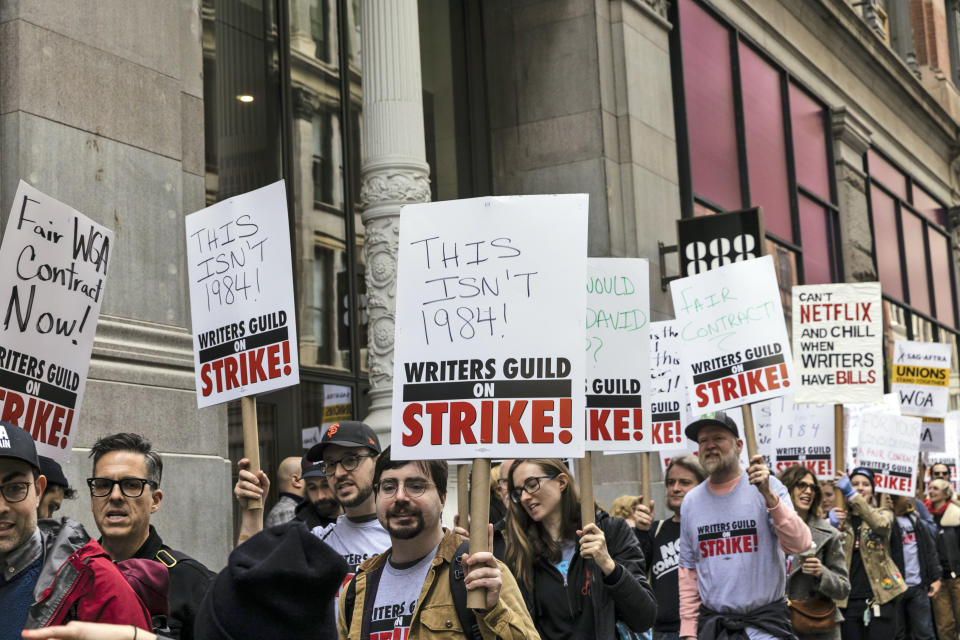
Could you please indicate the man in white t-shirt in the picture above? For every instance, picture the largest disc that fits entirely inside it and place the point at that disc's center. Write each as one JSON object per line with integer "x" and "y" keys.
{"x": 408, "y": 591}
{"x": 736, "y": 526}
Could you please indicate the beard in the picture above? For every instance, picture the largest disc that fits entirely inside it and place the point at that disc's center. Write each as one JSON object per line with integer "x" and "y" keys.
{"x": 723, "y": 462}
{"x": 363, "y": 492}
{"x": 409, "y": 531}
{"x": 327, "y": 507}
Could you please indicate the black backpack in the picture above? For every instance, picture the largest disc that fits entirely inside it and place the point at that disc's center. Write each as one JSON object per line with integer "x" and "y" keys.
{"x": 468, "y": 620}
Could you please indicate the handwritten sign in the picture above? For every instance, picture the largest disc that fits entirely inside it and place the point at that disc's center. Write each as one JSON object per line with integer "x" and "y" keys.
{"x": 890, "y": 447}
{"x": 921, "y": 376}
{"x": 837, "y": 342}
{"x": 617, "y": 342}
{"x": 54, "y": 262}
{"x": 951, "y": 449}
{"x": 241, "y": 297}
{"x": 735, "y": 349}
{"x": 668, "y": 399}
{"x": 488, "y": 358}
{"x": 803, "y": 434}
{"x": 933, "y": 435}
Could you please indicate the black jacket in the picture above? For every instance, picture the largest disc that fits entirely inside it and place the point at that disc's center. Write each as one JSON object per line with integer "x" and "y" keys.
{"x": 559, "y": 607}
{"x": 189, "y": 581}
{"x": 930, "y": 570}
{"x": 306, "y": 513}
{"x": 948, "y": 540}
{"x": 773, "y": 619}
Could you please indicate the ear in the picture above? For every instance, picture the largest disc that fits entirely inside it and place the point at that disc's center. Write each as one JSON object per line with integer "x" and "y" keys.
{"x": 739, "y": 446}
{"x": 41, "y": 485}
{"x": 157, "y": 497}
{"x": 564, "y": 480}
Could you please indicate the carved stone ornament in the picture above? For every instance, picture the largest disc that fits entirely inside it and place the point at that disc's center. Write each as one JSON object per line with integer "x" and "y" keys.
{"x": 380, "y": 246}
{"x": 401, "y": 186}
{"x": 660, "y": 6}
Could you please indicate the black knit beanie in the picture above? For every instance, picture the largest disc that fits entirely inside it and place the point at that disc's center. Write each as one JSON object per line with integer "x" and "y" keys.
{"x": 278, "y": 585}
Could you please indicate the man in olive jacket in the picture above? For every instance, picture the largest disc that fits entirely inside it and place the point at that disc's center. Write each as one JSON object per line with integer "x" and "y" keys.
{"x": 382, "y": 600}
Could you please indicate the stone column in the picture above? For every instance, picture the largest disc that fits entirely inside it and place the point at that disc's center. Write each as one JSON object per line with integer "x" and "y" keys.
{"x": 851, "y": 139}
{"x": 394, "y": 173}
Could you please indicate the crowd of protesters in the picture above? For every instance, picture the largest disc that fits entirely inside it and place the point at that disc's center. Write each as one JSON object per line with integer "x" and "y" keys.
{"x": 354, "y": 549}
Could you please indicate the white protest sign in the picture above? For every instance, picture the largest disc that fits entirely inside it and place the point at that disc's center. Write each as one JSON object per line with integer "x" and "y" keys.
{"x": 803, "y": 434}
{"x": 851, "y": 423}
{"x": 241, "y": 297}
{"x": 838, "y": 342}
{"x": 689, "y": 446}
{"x": 890, "y": 447}
{"x": 763, "y": 417}
{"x": 53, "y": 263}
{"x": 488, "y": 355}
{"x": 933, "y": 435}
{"x": 735, "y": 347}
{"x": 921, "y": 376}
{"x": 667, "y": 397}
{"x": 618, "y": 328}
{"x": 950, "y": 454}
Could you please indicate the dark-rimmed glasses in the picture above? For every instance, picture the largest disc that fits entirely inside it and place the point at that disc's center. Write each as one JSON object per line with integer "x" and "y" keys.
{"x": 531, "y": 486}
{"x": 15, "y": 491}
{"x": 130, "y": 487}
{"x": 805, "y": 486}
{"x": 414, "y": 487}
{"x": 349, "y": 462}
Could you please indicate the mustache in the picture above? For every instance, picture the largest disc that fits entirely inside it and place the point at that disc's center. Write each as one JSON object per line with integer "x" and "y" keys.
{"x": 403, "y": 512}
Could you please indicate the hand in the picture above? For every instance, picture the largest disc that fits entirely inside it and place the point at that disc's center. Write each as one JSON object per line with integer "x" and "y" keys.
{"x": 249, "y": 486}
{"x": 464, "y": 533}
{"x": 934, "y": 588}
{"x": 88, "y": 631}
{"x": 837, "y": 517}
{"x": 645, "y": 517}
{"x": 843, "y": 484}
{"x": 812, "y": 566}
{"x": 759, "y": 476}
{"x": 483, "y": 572}
{"x": 593, "y": 546}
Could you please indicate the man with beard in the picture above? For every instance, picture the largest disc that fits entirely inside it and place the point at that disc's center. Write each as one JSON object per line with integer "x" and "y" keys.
{"x": 408, "y": 586}
{"x": 729, "y": 531}
{"x": 320, "y": 508}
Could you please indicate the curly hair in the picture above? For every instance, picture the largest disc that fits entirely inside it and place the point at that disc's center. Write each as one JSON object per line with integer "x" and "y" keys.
{"x": 623, "y": 506}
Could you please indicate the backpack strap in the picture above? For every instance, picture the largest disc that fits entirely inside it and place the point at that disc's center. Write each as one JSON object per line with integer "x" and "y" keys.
{"x": 166, "y": 558}
{"x": 458, "y": 589}
{"x": 369, "y": 599}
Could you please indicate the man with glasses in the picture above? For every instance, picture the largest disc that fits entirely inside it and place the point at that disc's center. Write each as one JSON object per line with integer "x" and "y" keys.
{"x": 409, "y": 586}
{"x": 124, "y": 493}
{"x": 73, "y": 575}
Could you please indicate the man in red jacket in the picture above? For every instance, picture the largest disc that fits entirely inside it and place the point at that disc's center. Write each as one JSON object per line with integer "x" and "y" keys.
{"x": 56, "y": 573}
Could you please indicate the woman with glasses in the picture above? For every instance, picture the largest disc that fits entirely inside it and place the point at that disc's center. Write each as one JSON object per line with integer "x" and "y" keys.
{"x": 578, "y": 582}
{"x": 815, "y": 580}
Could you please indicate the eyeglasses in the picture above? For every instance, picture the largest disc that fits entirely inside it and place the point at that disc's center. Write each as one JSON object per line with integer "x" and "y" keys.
{"x": 941, "y": 474}
{"x": 531, "y": 486}
{"x": 414, "y": 487}
{"x": 349, "y": 462}
{"x": 805, "y": 486}
{"x": 15, "y": 491}
{"x": 130, "y": 487}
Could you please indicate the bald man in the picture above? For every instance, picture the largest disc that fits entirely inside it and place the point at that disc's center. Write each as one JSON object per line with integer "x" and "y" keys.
{"x": 291, "y": 492}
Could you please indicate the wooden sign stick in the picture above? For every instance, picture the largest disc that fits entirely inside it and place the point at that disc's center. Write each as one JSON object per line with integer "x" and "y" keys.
{"x": 463, "y": 495}
{"x": 585, "y": 469}
{"x": 479, "y": 519}
{"x": 750, "y": 433}
{"x": 251, "y": 441}
{"x": 645, "y": 477}
{"x": 839, "y": 454}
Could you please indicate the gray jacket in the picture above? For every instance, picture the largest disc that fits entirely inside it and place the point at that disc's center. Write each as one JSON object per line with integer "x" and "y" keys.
{"x": 834, "y": 583}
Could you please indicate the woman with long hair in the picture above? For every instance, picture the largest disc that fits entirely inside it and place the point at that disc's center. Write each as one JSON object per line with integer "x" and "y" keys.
{"x": 819, "y": 579}
{"x": 578, "y": 582}
{"x": 946, "y": 513}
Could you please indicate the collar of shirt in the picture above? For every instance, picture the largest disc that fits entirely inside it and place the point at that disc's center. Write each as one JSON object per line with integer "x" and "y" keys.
{"x": 22, "y": 557}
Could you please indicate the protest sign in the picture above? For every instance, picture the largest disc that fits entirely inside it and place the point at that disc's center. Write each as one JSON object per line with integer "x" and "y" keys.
{"x": 667, "y": 397}
{"x": 708, "y": 242}
{"x": 241, "y": 297}
{"x": 890, "y": 446}
{"x": 837, "y": 342}
{"x": 950, "y": 454}
{"x": 617, "y": 345}
{"x": 735, "y": 348}
{"x": 803, "y": 434}
{"x": 921, "y": 375}
{"x": 933, "y": 435}
{"x": 488, "y": 356}
{"x": 54, "y": 262}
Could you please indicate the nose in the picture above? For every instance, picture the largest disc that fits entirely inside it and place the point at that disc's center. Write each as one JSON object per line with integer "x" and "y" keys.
{"x": 115, "y": 494}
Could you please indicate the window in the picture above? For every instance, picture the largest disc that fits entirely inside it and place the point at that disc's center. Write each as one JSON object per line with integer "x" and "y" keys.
{"x": 749, "y": 135}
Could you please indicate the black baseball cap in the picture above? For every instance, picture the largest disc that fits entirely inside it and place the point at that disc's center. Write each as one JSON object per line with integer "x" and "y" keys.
{"x": 18, "y": 444}
{"x": 345, "y": 434}
{"x": 53, "y": 471}
{"x": 311, "y": 468}
{"x": 715, "y": 419}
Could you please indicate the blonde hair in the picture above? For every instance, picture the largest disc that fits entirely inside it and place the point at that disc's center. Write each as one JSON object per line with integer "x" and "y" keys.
{"x": 495, "y": 478}
{"x": 623, "y": 506}
{"x": 943, "y": 485}
{"x": 528, "y": 540}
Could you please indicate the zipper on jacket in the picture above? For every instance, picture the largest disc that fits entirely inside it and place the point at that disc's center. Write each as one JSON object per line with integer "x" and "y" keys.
{"x": 69, "y": 592}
